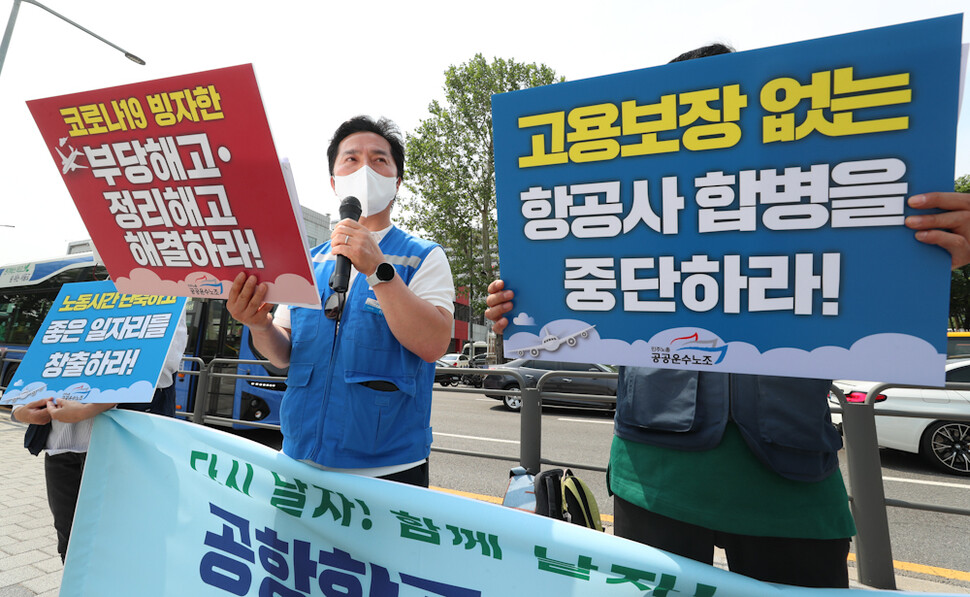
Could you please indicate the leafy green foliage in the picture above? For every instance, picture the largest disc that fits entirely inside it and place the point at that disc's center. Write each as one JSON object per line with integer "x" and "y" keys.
{"x": 451, "y": 172}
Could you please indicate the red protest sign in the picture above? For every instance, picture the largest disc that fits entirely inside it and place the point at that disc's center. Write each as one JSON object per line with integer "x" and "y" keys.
{"x": 178, "y": 182}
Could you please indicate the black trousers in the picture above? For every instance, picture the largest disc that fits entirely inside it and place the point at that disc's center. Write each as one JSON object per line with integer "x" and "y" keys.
{"x": 417, "y": 475}
{"x": 802, "y": 562}
{"x": 63, "y": 475}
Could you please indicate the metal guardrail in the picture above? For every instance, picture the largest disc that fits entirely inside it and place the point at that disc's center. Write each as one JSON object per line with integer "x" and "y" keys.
{"x": 530, "y": 444}
{"x": 868, "y": 505}
{"x": 200, "y": 374}
{"x": 531, "y": 423}
{"x": 869, "y": 502}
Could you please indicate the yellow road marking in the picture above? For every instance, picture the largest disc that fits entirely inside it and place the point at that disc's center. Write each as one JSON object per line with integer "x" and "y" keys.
{"x": 474, "y": 496}
{"x": 907, "y": 566}
{"x": 922, "y": 569}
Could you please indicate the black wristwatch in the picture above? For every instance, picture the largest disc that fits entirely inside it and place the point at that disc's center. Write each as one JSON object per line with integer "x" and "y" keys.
{"x": 383, "y": 273}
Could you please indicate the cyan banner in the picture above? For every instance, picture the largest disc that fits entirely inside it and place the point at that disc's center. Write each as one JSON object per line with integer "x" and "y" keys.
{"x": 169, "y": 508}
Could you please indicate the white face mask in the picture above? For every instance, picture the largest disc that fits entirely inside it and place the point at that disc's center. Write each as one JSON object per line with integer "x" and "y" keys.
{"x": 373, "y": 190}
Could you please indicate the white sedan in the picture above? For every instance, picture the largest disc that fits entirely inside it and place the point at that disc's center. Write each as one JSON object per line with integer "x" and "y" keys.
{"x": 945, "y": 443}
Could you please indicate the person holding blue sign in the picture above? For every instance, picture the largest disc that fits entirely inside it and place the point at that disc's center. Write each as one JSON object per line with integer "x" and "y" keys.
{"x": 71, "y": 422}
{"x": 949, "y": 229}
{"x": 358, "y": 396}
{"x": 745, "y": 462}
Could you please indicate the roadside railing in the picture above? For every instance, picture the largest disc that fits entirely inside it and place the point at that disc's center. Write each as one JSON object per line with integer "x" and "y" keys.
{"x": 211, "y": 372}
{"x": 531, "y": 423}
{"x": 868, "y": 499}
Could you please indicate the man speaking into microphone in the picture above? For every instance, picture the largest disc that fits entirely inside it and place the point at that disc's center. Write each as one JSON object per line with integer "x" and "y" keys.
{"x": 358, "y": 395}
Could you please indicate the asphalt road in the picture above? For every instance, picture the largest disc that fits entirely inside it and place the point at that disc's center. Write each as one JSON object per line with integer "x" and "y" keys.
{"x": 469, "y": 422}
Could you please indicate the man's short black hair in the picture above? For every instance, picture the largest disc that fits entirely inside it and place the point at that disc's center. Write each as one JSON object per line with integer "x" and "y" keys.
{"x": 365, "y": 124}
{"x": 704, "y": 52}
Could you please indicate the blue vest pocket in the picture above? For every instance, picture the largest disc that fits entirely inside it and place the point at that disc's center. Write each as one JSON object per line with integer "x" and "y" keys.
{"x": 657, "y": 399}
{"x": 381, "y": 424}
{"x": 794, "y": 413}
{"x": 297, "y": 434}
{"x": 370, "y": 329}
{"x": 299, "y": 374}
{"x": 305, "y": 324}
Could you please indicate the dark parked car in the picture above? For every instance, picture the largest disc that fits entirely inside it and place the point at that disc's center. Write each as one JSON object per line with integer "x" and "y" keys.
{"x": 443, "y": 376}
{"x": 479, "y": 361}
{"x": 532, "y": 370}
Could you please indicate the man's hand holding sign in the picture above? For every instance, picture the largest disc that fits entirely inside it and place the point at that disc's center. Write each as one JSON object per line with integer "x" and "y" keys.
{"x": 949, "y": 229}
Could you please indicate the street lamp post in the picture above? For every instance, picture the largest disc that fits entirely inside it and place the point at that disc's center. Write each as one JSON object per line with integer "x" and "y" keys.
{"x": 13, "y": 19}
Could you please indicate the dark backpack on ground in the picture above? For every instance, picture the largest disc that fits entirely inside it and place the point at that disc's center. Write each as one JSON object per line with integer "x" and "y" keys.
{"x": 561, "y": 495}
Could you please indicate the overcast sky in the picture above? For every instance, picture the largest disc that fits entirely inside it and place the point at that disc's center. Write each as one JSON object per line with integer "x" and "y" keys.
{"x": 318, "y": 63}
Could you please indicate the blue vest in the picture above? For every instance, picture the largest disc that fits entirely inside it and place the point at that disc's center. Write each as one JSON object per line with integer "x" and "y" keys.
{"x": 328, "y": 415}
{"x": 784, "y": 421}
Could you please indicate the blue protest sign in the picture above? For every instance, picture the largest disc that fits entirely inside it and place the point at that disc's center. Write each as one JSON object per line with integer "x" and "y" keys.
{"x": 739, "y": 213}
{"x": 97, "y": 345}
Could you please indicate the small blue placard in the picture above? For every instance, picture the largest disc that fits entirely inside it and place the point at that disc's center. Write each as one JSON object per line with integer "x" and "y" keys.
{"x": 97, "y": 345}
{"x": 738, "y": 213}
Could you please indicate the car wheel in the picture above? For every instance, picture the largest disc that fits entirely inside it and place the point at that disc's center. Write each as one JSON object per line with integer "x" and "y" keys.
{"x": 8, "y": 378}
{"x": 946, "y": 444}
{"x": 513, "y": 403}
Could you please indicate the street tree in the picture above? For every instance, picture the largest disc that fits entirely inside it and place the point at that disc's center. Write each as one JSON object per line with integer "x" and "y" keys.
{"x": 451, "y": 170}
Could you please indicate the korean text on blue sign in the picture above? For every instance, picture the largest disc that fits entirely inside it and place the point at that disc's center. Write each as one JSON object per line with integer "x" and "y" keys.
{"x": 97, "y": 345}
{"x": 738, "y": 213}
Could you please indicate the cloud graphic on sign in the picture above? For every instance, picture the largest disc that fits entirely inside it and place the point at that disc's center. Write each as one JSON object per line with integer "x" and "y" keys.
{"x": 297, "y": 290}
{"x": 140, "y": 391}
{"x": 887, "y": 357}
{"x": 523, "y": 319}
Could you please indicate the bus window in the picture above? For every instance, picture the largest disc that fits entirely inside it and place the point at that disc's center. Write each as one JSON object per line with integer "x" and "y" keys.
{"x": 23, "y": 315}
{"x": 210, "y": 329}
{"x": 233, "y": 338}
{"x": 193, "y": 317}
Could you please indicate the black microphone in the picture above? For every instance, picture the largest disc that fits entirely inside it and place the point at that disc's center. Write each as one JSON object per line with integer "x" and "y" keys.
{"x": 340, "y": 279}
